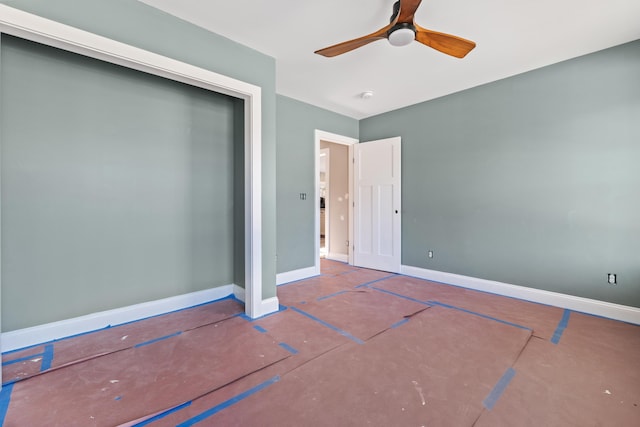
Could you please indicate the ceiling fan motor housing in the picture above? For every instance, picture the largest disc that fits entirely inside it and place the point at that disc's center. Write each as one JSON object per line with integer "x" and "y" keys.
{"x": 402, "y": 34}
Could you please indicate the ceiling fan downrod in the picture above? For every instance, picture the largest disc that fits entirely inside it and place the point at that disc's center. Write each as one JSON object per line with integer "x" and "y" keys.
{"x": 402, "y": 33}
{"x": 396, "y": 11}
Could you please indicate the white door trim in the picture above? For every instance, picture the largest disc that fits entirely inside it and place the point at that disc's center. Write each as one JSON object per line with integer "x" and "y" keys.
{"x": 31, "y": 27}
{"x": 321, "y": 135}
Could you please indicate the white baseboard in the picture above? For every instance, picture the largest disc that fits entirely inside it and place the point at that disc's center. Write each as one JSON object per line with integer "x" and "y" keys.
{"x": 338, "y": 257}
{"x": 293, "y": 275}
{"x": 239, "y": 292}
{"x": 268, "y": 306}
{"x": 64, "y": 328}
{"x": 585, "y": 305}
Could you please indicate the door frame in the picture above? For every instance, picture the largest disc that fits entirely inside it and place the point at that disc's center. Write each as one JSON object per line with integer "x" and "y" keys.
{"x": 327, "y": 194}
{"x": 320, "y": 135}
{"x": 51, "y": 33}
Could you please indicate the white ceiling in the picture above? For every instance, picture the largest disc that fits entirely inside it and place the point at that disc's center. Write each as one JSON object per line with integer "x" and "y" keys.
{"x": 512, "y": 36}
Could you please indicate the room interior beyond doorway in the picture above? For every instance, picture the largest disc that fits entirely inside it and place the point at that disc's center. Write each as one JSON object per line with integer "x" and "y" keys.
{"x": 334, "y": 192}
{"x": 339, "y": 222}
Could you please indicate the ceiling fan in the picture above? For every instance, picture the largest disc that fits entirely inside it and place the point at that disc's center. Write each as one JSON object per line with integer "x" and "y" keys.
{"x": 401, "y": 31}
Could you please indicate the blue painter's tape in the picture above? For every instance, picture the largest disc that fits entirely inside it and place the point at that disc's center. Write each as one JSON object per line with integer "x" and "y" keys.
{"x": 476, "y": 290}
{"x": 288, "y": 348}
{"x": 16, "y": 350}
{"x": 401, "y": 322}
{"x": 5, "y": 399}
{"x": 249, "y": 319}
{"x": 47, "y": 358}
{"x": 484, "y": 316}
{"x": 22, "y": 359}
{"x": 162, "y": 415}
{"x": 210, "y": 412}
{"x": 499, "y": 388}
{"x": 155, "y": 340}
{"x": 377, "y": 280}
{"x": 231, "y": 297}
{"x": 400, "y": 295}
{"x": 56, "y": 340}
{"x": 12, "y": 381}
{"x": 300, "y": 280}
{"x": 331, "y": 295}
{"x": 259, "y": 328}
{"x": 228, "y": 297}
{"x": 45, "y": 364}
{"x": 328, "y": 325}
{"x": 562, "y": 325}
{"x": 244, "y": 316}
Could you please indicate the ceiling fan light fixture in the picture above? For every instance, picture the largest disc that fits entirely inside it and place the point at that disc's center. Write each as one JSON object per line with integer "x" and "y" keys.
{"x": 401, "y": 31}
{"x": 402, "y": 36}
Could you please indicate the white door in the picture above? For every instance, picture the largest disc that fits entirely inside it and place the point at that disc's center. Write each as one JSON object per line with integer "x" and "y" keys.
{"x": 377, "y": 205}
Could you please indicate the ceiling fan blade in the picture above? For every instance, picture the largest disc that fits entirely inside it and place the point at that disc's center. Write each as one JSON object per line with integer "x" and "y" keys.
{"x": 344, "y": 47}
{"x": 445, "y": 43}
{"x": 407, "y": 10}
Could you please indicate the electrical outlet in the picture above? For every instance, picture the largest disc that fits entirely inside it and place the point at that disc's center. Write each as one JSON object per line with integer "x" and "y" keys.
{"x": 612, "y": 278}
{"x": 430, "y": 254}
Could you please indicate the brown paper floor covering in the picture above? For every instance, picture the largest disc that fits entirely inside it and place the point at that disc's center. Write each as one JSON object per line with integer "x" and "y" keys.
{"x": 350, "y": 347}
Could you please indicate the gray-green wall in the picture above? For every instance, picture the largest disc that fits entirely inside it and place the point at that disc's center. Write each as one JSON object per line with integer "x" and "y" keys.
{"x": 530, "y": 180}
{"x": 136, "y": 24}
{"x": 117, "y": 186}
{"x": 533, "y": 180}
{"x": 297, "y": 122}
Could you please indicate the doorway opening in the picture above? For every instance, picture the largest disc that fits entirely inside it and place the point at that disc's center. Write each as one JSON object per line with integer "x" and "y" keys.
{"x": 335, "y": 197}
{"x": 325, "y": 185}
{"x": 334, "y": 186}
